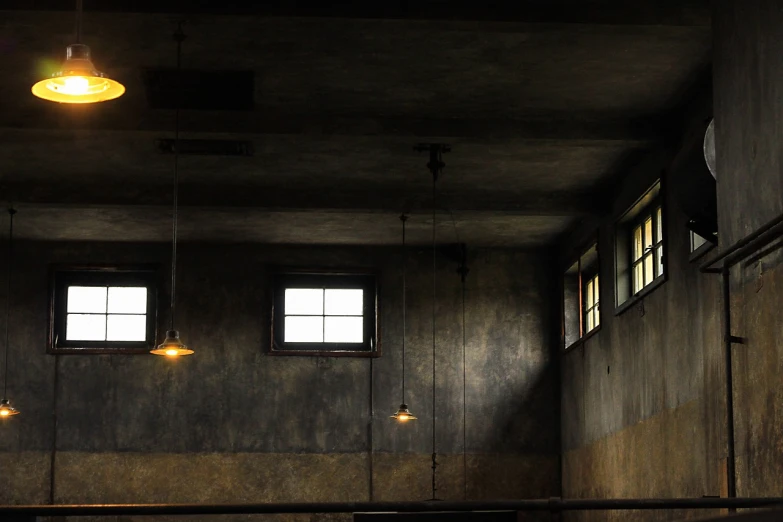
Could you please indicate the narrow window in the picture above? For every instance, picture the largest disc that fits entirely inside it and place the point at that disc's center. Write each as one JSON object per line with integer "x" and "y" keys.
{"x": 581, "y": 297}
{"x": 640, "y": 248}
{"x": 647, "y": 251}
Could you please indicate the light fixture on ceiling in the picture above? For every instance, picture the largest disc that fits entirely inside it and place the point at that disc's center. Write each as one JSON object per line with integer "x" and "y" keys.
{"x": 403, "y": 414}
{"x": 6, "y": 410}
{"x": 78, "y": 81}
{"x": 172, "y": 346}
{"x": 435, "y": 166}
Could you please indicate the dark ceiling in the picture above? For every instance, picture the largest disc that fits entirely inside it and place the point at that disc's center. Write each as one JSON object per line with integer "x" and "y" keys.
{"x": 543, "y": 105}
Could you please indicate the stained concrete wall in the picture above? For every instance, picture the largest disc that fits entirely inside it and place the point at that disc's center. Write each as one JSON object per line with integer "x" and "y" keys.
{"x": 231, "y": 424}
{"x": 748, "y": 40}
{"x": 641, "y": 401}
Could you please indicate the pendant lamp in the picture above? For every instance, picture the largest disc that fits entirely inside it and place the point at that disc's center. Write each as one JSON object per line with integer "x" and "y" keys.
{"x": 6, "y": 410}
{"x": 78, "y": 81}
{"x": 403, "y": 414}
{"x": 172, "y": 346}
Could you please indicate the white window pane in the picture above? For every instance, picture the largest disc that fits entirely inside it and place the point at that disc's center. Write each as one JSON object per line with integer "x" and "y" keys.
{"x": 638, "y": 278}
{"x": 300, "y": 329}
{"x": 659, "y": 223}
{"x": 344, "y": 302}
{"x": 126, "y": 328}
{"x": 648, "y": 236}
{"x": 87, "y": 299}
{"x": 304, "y": 301}
{"x": 344, "y": 329}
{"x": 589, "y": 321}
{"x": 127, "y": 300}
{"x": 637, "y": 243}
{"x": 80, "y": 327}
{"x": 659, "y": 253}
{"x": 589, "y": 294}
{"x": 648, "y": 269}
{"x": 597, "y": 313}
{"x": 597, "y": 291}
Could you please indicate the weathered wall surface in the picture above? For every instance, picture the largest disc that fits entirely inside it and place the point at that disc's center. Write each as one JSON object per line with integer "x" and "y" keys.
{"x": 231, "y": 424}
{"x": 640, "y": 418}
{"x": 748, "y": 81}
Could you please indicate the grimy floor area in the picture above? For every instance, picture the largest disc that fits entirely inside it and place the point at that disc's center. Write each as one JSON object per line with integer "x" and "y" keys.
{"x": 570, "y": 124}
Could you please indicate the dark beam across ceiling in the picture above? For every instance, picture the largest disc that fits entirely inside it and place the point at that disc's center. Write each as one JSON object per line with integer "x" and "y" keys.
{"x": 634, "y": 131}
{"x": 612, "y": 12}
{"x": 68, "y": 193}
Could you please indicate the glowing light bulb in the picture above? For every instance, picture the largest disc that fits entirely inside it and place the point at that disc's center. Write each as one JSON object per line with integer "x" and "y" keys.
{"x": 402, "y": 418}
{"x": 4, "y": 413}
{"x": 75, "y": 85}
{"x": 171, "y": 352}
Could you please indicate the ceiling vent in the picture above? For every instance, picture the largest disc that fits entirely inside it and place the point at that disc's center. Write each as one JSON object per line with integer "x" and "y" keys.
{"x": 199, "y": 90}
{"x": 207, "y": 147}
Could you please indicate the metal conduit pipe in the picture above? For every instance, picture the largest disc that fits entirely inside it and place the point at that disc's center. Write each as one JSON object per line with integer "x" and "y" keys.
{"x": 554, "y": 505}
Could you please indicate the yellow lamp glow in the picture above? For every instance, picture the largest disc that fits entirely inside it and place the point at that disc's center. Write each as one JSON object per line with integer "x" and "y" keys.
{"x": 172, "y": 346}
{"x": 6, "y": 410}
{"x": 78, "y": 81}
{"x": 403, "y": 414}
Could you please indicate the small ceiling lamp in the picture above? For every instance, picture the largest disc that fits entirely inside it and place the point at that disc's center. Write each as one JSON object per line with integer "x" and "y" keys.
{"x": 172, "y": 346}
{"x": 6, "y": 410}
{"x": 78, "y": 81}
{"x": 403, "y": 414}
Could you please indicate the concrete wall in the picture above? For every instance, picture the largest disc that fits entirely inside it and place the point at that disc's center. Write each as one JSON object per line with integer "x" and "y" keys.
{"x": 749, "y": 145}
{"x": 231, "y": 424}
{"x": 641, "y": 401}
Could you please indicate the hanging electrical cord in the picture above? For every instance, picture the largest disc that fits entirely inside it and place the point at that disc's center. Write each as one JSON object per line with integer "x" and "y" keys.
{"x": 463, "y": 270}
{"x": 11, "y": 213}
{"x": 435, "y": 171}
{"x": 172, "y": 346}
{"x": 6, "y": 410}
{"x": 435, "y": 165}
{"x": 403, "y": 414}
{"x": 79, "y": 9}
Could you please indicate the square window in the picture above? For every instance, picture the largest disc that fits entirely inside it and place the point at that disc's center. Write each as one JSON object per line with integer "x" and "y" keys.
{"x": 581, "y": 297}
{"x": 103, "y": 310}
{"x": 324, "y": 313}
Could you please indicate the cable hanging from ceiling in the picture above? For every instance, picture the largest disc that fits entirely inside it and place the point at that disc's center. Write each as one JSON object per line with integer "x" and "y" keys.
{"x": 403, "y": 414}
{"x": 6, "y": 409}
{"x": 435, "y": 166}
{"x": 78, "y": 81}
{"x": 172, "y": 346}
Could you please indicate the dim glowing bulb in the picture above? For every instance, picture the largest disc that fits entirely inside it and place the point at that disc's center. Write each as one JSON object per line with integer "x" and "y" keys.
{"x": 4, "y": 413}
{"x": 75, "y": 85}
{"x": 402, "y": 418}
{"x": 171, "y": 353}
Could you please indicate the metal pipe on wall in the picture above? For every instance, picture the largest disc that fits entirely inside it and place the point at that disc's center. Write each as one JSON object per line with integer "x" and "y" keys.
{"x": 553, "y": 505}
{"x": 731, "y": 463}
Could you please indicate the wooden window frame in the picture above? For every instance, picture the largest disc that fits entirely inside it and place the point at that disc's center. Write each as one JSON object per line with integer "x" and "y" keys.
{"x": 365, "y": 280}
{"x": 63, "y": 276}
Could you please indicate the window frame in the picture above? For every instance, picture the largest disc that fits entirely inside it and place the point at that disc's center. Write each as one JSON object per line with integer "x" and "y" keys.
{"x": 581, "y": 283}
{"x": 366, "y": 280}
{"x": 649, "y": 211}
{"x": 63, "y": 276}
{"x": 652, "y": 198}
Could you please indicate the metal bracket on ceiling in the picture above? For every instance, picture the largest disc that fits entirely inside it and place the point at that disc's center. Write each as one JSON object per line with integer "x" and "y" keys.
{"x": 436, "y": 150}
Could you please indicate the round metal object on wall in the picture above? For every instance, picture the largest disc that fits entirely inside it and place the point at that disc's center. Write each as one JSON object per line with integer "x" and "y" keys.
{"x": 709, "y": 147}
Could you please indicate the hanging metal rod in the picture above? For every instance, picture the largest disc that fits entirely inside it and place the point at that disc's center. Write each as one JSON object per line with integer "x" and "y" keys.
{"x": 552, "y": 504}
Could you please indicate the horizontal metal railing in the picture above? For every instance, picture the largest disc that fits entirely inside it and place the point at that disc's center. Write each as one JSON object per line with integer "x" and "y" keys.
{"x": 554, "y": 505}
